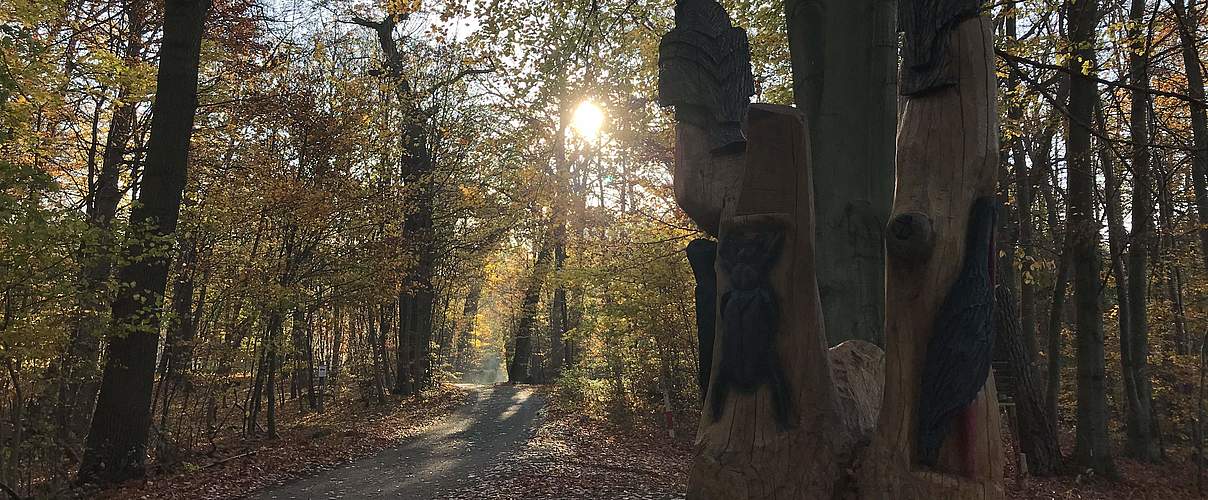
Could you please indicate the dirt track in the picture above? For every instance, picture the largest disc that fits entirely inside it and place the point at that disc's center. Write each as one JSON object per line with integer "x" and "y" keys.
{"x": 448, "y": 455}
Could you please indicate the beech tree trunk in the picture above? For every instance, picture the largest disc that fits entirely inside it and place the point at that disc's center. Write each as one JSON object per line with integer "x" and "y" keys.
{"x": 77, "y": 384}
{"x": 469, "y": 322}
{"x": 947, "y": 158}
{"x": 1092, "y": 447}
{"x": 1188, "y": 18}
{"x": 844, "y": 56}
{"x": 522, "y": 346}
{"x": 1141, "y": 442}
{"x": 1037, "y": 431}
{"x": 117, "y": 439}
{"x": 1116, "y": 255}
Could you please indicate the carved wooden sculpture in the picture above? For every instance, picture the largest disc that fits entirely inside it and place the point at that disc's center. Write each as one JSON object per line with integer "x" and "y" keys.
{"x": 702, "y": 254}
{"x": 961, "y": 345}
{"x": 705, "y": 72}
{"x": 783, "y": 414}
{"x": 947, "y": 158}
{"x": 772, "y": 428}
{"x": 750, "y": 313}
{"x": 926, "y": 56}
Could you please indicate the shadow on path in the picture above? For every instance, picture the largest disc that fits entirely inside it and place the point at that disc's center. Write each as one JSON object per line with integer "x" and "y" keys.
{"x": 452, "y": 453}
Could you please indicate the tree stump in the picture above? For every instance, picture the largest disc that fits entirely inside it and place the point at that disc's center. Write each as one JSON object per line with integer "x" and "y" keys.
{"x": 742, "y": 453}
{"x": 947, "y": 158}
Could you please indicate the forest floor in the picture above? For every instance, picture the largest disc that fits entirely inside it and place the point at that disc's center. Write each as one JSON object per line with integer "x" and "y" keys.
{"x": 503, "y": 442}
{"x": 310, "y": 443}
{"x": 1171, "y": 479}
{"x": 460, "y": 442}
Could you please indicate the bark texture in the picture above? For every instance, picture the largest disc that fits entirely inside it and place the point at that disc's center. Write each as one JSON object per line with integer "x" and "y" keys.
{"x": 844, "y": 57}
{"x": 1091, "y": 448}
{"x": 1036, "y": 431}
{"x": 116, "y": 444}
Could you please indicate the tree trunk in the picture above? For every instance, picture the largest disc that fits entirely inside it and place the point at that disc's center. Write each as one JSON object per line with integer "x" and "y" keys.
{"x": 558, "y": 317}
{"x": 1024, "y": 181}
{"x": 1092, "y": 448}
{"x": 469, "y": 323}
{"x": 844, "y": 57}
{"x": 371, "y": 340}
{"x": 947, "y": 158}
{"x": 275, "y": 326}
{"x": 311, "y": 396}
{"x": 1053, "y": 324}
{"x": 1115, "y": 237}
{"x": 522, "y": 350}
{"x": 337, "y": 345}
{"x": 182, "y": 331}
{"x": 78, "y": 375}
{"x": 1188, "y": 22}
{"x": 1037, "y": 431}
{"x": 1141, "y": 442}
{"x": 116, "y": 445}
{"x": 303, "y": 353}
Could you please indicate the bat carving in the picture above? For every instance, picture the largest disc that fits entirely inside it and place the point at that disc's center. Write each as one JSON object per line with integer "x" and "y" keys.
{"x": 750, "y": 315}
{"x": 705, "y": 72}
{"x": 961, "y": 345}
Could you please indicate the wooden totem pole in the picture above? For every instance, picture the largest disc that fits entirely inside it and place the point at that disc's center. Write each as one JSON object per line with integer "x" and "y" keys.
{"x": 946, "y": 164}
{"x": 783, "y": 416}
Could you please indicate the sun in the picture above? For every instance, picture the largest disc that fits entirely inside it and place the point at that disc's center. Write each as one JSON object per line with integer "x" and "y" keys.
{"x": 588, "y": 120}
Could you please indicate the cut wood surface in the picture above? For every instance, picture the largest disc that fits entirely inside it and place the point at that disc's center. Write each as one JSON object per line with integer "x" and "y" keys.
{"x": 744, "y": 454}
{"x": 947, "y": 158}
{"x": 704, "y": 184}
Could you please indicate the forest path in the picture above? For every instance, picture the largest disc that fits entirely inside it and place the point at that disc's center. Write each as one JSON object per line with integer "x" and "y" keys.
{"x": 451, "y": 453}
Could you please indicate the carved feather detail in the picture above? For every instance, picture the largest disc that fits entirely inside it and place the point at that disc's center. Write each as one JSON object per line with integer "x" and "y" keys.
{"x": 705, "y": 72}
{"x": 961, "y": 345}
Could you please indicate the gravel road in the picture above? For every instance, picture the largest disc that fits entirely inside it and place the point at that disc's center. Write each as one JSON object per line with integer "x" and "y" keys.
{"x": 450, "y": 454}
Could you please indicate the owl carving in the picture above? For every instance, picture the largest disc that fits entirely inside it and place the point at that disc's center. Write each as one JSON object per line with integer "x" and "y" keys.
{"x": 705, "y": 73}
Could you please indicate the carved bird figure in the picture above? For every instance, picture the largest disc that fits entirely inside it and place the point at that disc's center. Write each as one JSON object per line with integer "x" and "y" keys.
{"x": 702, "y": 255}
{"x": 925, "y": 53}
{"x": 705, "y": 72}
{"x": 960, "y": 349}
{"x": 750, "y": 315}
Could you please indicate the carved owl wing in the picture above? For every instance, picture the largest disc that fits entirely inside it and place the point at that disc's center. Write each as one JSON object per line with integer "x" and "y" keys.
{"x": 925, "y": 54}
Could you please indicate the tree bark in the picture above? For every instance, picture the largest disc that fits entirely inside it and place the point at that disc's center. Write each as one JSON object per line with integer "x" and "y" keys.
{"x": 1115, "y": 237}
{"x": 78, "y": 374}
{"x": 1141, "y": 443}
{"x": 469, "y": 323}
{"x": 1092, "y": 447}
{"x": 522, "y": 346}
{"x": 1037, "y": 431}
{"x": 844, "y": 57}
{"x": 947, "y": 158}
{"x": 1188, "y": 22}
{"x": 116, "y": 445}
{"x": 1024, "y": 181}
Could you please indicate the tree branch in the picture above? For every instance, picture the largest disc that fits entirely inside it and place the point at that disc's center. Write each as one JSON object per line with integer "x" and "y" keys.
{"x": 459, "y": 76}
{"x": 1030, "y": 62}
